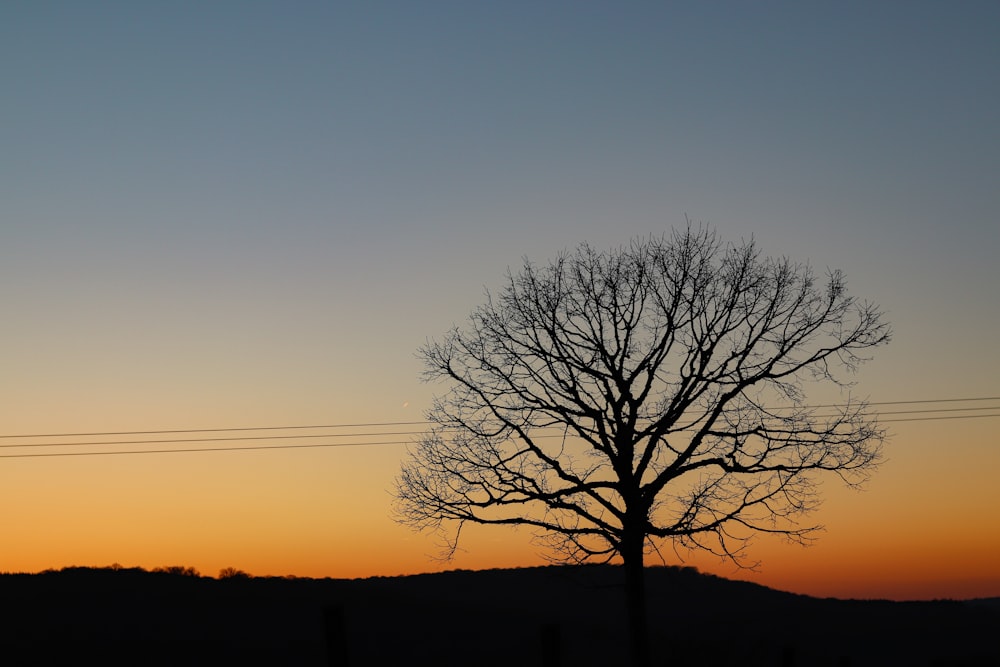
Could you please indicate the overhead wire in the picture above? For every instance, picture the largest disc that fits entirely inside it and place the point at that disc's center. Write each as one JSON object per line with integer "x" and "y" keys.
{"x": 233, "y": 439}
{"x": 364, "y": 435}
{"x": 423, "y": 422}
{"x": 929, "y": 414}
{"x": 203, "y": 449}
{"x": 212, "y": 430}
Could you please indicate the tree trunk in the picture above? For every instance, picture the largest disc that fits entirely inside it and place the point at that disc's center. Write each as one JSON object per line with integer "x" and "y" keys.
{"x": 635, "y": 599}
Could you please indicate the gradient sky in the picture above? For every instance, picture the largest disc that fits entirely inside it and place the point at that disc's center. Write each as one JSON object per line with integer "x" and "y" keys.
{"x": 237, "y": 214}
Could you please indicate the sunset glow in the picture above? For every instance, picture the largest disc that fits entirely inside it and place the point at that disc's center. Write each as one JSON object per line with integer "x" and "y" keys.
{"x": 251, "y": 216}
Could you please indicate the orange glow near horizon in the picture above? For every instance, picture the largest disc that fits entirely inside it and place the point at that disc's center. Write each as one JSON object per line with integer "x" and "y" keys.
{"x": 789, "y": 568}
{"x": 253, "y": 221}
{"x": 924, "y": 528}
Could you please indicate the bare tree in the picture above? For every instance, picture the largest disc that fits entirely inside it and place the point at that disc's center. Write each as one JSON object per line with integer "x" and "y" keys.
{"x": 616, "y": 401}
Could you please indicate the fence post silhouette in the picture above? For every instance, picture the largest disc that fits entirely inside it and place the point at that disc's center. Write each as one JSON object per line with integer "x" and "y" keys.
{"x": 549, "y": 633}
{"x": 337, "y": 654}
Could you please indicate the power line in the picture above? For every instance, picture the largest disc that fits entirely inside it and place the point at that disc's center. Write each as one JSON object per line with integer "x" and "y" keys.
{"x": 191, "y": 450}
{"x": 923, "y": 419}
{"x": 210, "y": 430}
{"x": 235, "y": 439}
{"x": 244, "y": 438}
{"x": 934, "y": 412}
{"x": 203, "y": 449}
{"x": 925, "y": 411}
{"x": 424, "y": 422}
{"x": 930, "y": 400}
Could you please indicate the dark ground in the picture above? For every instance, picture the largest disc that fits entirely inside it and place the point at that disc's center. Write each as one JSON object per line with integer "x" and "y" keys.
{"x": 569, "y": 615}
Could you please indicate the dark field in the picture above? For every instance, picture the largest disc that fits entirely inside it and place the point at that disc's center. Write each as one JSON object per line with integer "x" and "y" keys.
{"x": 539, "y": 616}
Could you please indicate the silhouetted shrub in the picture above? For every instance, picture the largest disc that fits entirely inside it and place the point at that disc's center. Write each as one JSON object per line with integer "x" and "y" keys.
{"x": 232, "y": 573}
{"x": 178, "y": 570}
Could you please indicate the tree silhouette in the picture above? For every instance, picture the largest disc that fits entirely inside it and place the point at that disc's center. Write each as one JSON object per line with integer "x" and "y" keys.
{"x": 177, "y": 570}
{"x": 233, "y": 573}
{"x": 616, "y": 401}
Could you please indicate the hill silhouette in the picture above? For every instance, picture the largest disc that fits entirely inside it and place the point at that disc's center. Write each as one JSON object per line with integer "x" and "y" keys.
{"x": 566, "y": 615}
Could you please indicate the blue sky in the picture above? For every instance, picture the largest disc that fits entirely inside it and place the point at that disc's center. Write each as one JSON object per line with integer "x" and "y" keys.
{"x": 234, "y": 212}
{"x": 379, "y": 163}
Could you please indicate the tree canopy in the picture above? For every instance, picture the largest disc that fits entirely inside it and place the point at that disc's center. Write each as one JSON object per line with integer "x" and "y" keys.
{"x": 657, "y": 392}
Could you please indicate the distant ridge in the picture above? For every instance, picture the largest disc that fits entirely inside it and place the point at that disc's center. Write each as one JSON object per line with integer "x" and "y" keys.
{"x": 132, "y": 616}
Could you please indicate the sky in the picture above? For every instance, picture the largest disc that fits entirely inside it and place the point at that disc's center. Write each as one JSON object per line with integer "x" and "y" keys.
{"x": 252, "y": 214}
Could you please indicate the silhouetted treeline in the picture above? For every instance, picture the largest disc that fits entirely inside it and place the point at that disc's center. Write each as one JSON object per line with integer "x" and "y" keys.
{"x": 565, "y": 615}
